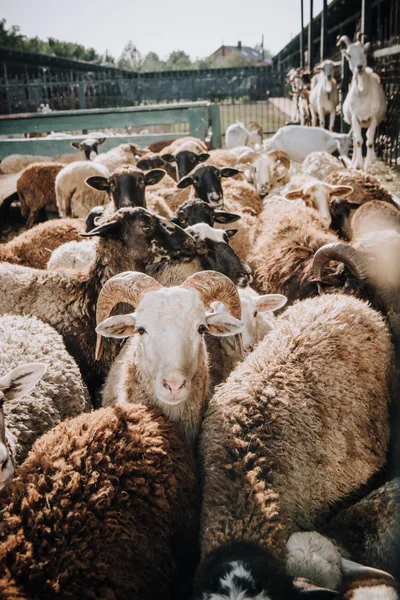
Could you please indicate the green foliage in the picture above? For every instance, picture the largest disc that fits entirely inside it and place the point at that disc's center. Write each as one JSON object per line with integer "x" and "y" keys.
{"x": 178, "y": 61}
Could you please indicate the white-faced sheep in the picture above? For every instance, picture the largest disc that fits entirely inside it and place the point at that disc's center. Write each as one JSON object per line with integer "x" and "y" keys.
{"x": 103, "y": 507}
{"x": 132, "y": 238}
{"x": 165, "y": 364}
{"x": 74, "y": 197}
{"x": 36, "y": 189}
{"x": 268, "y": 171}
{"x": 298, "y": 426}
{"x": 33, "y": 248}
{"x": 59, "y": 395}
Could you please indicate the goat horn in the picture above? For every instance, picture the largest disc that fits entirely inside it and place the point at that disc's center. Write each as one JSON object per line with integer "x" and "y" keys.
{"x": 282, "y": 156}
{"x": 360, "y": 36}
{"x": 213, "y": 286}
{"x": 345, "y": 39}
{"x": 349, "y": 256}
{"x": 127, "y": 287}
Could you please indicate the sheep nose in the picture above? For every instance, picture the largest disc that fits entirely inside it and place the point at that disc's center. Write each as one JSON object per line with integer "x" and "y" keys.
{"x": 174, "y": 385}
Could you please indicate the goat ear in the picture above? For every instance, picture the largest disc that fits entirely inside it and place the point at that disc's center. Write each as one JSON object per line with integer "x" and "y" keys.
{"x": 154, "y": 176}
{"x": 223, "y": 324}
{"x": 203, "y": 156}
{"x": 220, "y": 216}
{"x": 21, "y": 380}
{"x": 120, "y": 326}
{"x": 367, "y": 47}
{"x": 294, "y": 195}
{"x": 98, "y": 183}
{"x": 340, "y": 191}
{"x": 113, "y": 230}
{"x": 76, "y": 145}
{"x": 229, "y": 172}
{"x": 169, "y": 158}
{"x": 270, "y": 302}
{"x": 184, "y": 182}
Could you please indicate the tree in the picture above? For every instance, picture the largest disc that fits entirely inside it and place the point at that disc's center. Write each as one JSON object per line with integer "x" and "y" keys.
{"x": 235, "y": 59}
{"x": 178, "y": 60}
{"x": 152, "y": 63}
{"x": 130, "y": 59}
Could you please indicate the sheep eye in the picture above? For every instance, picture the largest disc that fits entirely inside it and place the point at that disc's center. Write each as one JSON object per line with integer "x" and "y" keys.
{"x": 255, "y": 313}
{"x": 141, "y": 330}
{"x": 202, "y": 328}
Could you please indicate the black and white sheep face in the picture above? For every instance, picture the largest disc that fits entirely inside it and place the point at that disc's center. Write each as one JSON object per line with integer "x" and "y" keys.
{"x": 186, "y": 161}
{"x": 216, "y": 255}
{"x": 206, "y": 180}
{"x": 171, "y": 323}
{"x": 89, "y": 146}
{"x": 14, "y": 385}
{"x": 196, "y": 211}
{"x": 318, "y": 195}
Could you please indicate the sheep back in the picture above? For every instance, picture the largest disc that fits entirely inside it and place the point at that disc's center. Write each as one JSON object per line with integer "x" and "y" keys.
{"x": 298, "y": 426}
{"x": 98, "y": 507}
{"x": 74, "y": 197}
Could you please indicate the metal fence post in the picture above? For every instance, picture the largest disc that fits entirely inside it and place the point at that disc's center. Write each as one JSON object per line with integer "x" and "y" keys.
{"x": 344, "y": 88}
{"x": 215, "y": 121}
{"x": 82, "y": 100}
{"x": 302, "y": 34}
{"x": 310, "y": 37}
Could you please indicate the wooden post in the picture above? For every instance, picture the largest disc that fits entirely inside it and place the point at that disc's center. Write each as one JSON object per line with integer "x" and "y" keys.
{"x": 301, "y": 34}
{"x": 215, "y": 121}
{"x": 324, "y": 40}
{"x": 310, "y": 36}
{"x": 366, "y": 10}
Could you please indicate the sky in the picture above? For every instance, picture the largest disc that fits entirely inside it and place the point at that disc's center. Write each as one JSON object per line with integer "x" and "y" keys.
{"x": 196, "y": 26}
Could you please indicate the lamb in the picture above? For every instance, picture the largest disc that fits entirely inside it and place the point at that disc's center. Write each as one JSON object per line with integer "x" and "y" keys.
{"x": 365, "y": 104}
{"x": 116, "y": 157}
{"x": 59, "y": 395}
{"x": 320, "y": 165}
{"x": 74, "y": 197}
{"x": 237, "y": 135}
{"x": 298, "y": 142}
{"x": 103, "y": 507}
{"x": 32, "y": 248}
{"x": 130, "y": 239}
{"x": 166, "y": 366}
{"x": 274, "y": 422}
{"x": 36, "y": 189}
{"x": 324, "y": 94}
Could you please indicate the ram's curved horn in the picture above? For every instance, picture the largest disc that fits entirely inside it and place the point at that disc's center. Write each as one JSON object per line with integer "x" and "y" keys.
{"x": 129, "y": 287}
{"x": 360, "y": 36}
{"x": 349, "y": 256}
{"x": 213, "y": 286}
{"x": 343, "y": 39}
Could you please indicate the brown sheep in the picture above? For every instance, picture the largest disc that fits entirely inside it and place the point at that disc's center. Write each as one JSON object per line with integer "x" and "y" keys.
{"x": 103, "y": 507}
{"x": 36, "y": 189}
{"x": 33, "y": 248}
{"x": 365, "y": 186}
{"x": 183, "y": 140}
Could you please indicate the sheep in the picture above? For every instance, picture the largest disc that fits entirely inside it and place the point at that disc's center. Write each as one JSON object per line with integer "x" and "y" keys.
{"x": 213, "y": 252}
{"x": 365, "y": 104}
{"x": 166, "y": 366}
{"x": 199, "y": 145}
{"x": 237, "y": 135}
{"x": 59, "y": 395}
{"x": 89, "y": 146}
{"x": 155, "y": 161}
{"x": 185, "y": 157}
{"x": 298, "y": 141}
{"x": 225, "y": 158}
{"x": 74, "y": 197}
{"x": 324, "y": 94}
{"x": 14, "y": 163}
{"x": 320, "y": 165}
{"x": 268, "y": 171}
{"x": 116, "y": 157}
{"x": 36, "y": 189}
{"x": 72, "y": 255}
{"x": 313, "y": 395}
{"x": 32, "y": 248}
{"x": 103, "y": 507}
{"x": 369, "y": 529}
{"x": 130, "y": 239}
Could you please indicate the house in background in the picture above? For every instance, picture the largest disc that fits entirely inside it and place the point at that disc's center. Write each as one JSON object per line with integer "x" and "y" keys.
{"x": 246, "y": 51}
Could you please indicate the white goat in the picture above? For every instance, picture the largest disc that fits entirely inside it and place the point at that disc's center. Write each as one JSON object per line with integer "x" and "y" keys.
{"x": 365, "y": 105}
{"x": 324, "y": 95}
{"x": 298, "y": 141}
{"x": 238, "y": 135}
{"x": 301, "y": 96}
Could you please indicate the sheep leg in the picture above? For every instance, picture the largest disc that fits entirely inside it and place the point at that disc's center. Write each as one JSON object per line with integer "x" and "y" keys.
{"x": 371, "y": 156}
{"x": 332, "y": 116}
{"x": 357, "y": 162}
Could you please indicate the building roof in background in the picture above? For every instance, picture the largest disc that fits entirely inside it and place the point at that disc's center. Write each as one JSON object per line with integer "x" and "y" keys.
{"x": 246, "y": 51}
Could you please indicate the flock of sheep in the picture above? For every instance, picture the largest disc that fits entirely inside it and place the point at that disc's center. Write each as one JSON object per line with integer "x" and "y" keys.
{"x": 165, "y": 435}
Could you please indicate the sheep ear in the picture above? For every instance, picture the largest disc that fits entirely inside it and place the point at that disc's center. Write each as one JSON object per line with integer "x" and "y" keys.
{"x": 294, "y": 195}
{"x": 21, "y": 380}
{"x": 176, "y": 221}
{"x": 220, "y": 216}
{"x": 113, "y": 230}
{"x": 222, "y": 324}
{"x": 203, "y": 156}
{"x": 101, "y": 140}
{"x": 98, "y": 183}
{"x": 353, "y": 569}
{"x": 169, "y": 158}
{"x": 184, "y": 182}
{"x": 154, "y": 176}
{"x": 76, "y": 145}
{"x": 120, "y": 326}
{"x": 229, "y": 172}
{"x": 270, "y": 302}
{"x": 230, "y": 232}
{"x": 340, "y": 191}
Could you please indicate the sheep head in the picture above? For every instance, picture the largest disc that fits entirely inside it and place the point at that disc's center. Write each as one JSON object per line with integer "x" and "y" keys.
{"x": 318, "y": 195}
{"x": 206, "y": 180}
